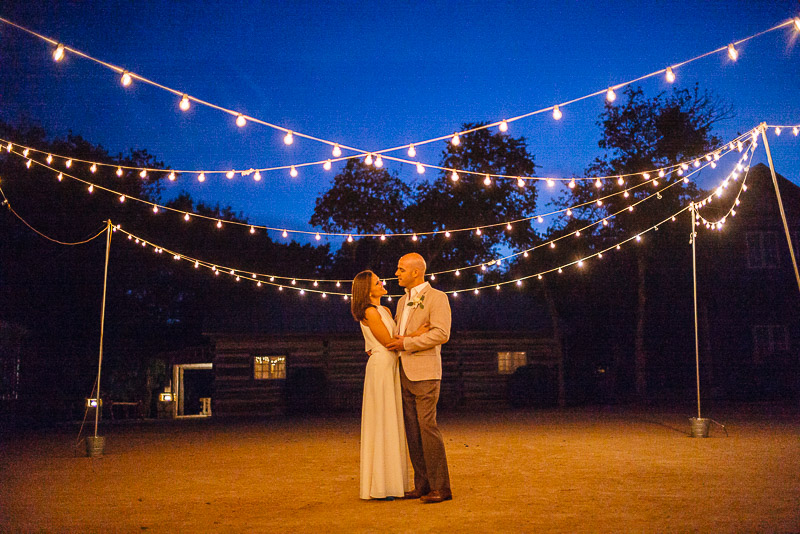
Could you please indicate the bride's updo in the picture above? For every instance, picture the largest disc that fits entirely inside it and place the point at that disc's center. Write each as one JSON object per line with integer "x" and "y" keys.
{"x": 359, "y": 300}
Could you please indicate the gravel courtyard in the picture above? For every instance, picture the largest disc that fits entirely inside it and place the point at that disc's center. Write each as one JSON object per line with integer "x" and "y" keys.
{"x": 610, "y": 469}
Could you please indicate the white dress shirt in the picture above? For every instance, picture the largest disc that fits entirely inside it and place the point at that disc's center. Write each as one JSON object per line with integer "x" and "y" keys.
{"x": 412, "y": 294}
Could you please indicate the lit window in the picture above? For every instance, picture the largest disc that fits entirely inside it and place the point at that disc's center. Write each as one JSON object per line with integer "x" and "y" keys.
{"x": 508, "y": 362}
{"x": 762, "y": 250}
{"x": 269, "y": 367}
{"x": 769, "y": 340}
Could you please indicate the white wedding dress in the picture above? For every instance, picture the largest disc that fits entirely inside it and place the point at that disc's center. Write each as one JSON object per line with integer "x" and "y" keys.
{"x": 384, "y": 456}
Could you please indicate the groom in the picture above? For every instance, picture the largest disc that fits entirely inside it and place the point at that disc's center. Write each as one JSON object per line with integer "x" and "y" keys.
{"x": 421, "y": 376}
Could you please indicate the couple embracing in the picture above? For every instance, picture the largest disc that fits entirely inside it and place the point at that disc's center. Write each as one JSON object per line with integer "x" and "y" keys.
{"x": 401, "y": 385}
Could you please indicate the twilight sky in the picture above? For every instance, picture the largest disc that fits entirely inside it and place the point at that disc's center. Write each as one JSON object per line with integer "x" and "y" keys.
{"x": 378, "y": 74}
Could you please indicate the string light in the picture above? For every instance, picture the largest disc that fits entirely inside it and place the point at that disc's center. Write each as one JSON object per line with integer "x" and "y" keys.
{"x": 379, "y": 161}
{"x": 487, "y": 181}
{"x": 288, "y": 139}
{"x": 171, "y": 177}
{"x": 184, "y": 104}
{"x": 503, "y": 126}
{"x": 732, "y": 52}
{"x": 797, "y": 23}
{"x": 456, "y": 140}
{"x": 412, "y": 152}
{"x": 670, "y": 75}
{"x": 93, "y": 168}
{"x": 557, "y": 113}
{"x": 58, "y": 54}
{"x": 611, "y": 95}
{"x": 520, "y": 182}
{"x": 257, "y": 176}
{"x": 454, "y": 176}
{"x": 420, "y": 168}
{"x": 126, "y": 79}
{"x": 68, "y": 164}
{"x": 201, "y": 177}
{"x": 368, "y": 159}
{"x": 327, "y": 165}
{"x": 293, "y": 172}
{"x": 240, "y": 120}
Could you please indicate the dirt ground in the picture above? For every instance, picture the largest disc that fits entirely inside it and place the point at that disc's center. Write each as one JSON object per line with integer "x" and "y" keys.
{"x": 575, "y": 470}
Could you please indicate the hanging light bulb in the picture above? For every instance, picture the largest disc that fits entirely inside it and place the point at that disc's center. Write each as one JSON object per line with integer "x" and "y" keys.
{"x": 186, "y": 217}
{"x": 670, "y": 75}
{"x": 317, "y": 237}
{"x": 91, "y": 188}
{"x": 327, "y": 165}
{"x": 611, "y": 95}
{"x": 68, "y": 163}
{"x": 552, "y": 244}
{"x": 454, "y": 176}
{"x": 487, "y": 181}
{"x": 219, "y": 224}
{"x": 60, "y": 176}
{"x": 797, "y": 23}
{"x": 447, "y": 233}
{"x": 620, "y": 181}
{"x": 122, "y": 198}
{"x": 478, "y": 231}
{"x": 229, "y": 175}
{"x": 412, "y": 152}
{"x": 456, "y": 140}
{"x": 598, "y": 184}
{"x": 143, "y": 173}
{"x": 414, "y": 237}
{"x": 119, "y": 171}
{"x": 368, "y": 159}
{"x": 458, "y": 273}
{"x": 599, "y": 202}
{"x": 646, "y": 175}
{"x": 9, "y": 146}
{"x": 93, "y": 168}
{"x": 184, "y": 104}
{"x": 126, "y": 79}
{"x": 550, "y": 182}
{"x": 557, "y": 113}
{"x": 49, "y": 159}
{"x": 508, "y": 227}
{"x": 383, "y": 237}
{"x": 294, "y": 282}
{"x": 777, "y": 130}
{"x": 155, "y": 209}
{"x": 626, "y": 194}
{"x": 201, "y": 177}
{"x": 661, "y": 173}
{"x": 569, "y": 212}
{"x": 28, "y": 164}
{"x": 58, "y": 53}
{"x": 503, "y": 126}
{"x": 240, "y": 120}
{"x": 285, "y": 234}
{"x": 288, "y": 139}
{"x": 171, "y": 176}
{"x": 571, "y": 184}
{"x": 25, "y": 152}
{"x": 379, "y": 161}
{"x": 520, "y": 182}
{"x": 420, "y": 168}
{"x": 795, "y": 130}
{"x": 349, "y": 238}
{"x": 252, "y": 231}
{"x": 257, "y": 176}
{"x": 732, "y": 52}
{"x": 293, "y": 172}
{"x": 540, "y": 219}
{"x": 336, "y": 150}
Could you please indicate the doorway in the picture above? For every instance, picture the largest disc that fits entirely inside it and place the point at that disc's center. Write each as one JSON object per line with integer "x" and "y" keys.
{"x": 193, "y": 386}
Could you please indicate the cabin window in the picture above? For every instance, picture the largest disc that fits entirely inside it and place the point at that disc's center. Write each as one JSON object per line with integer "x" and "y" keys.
{"x": 762, "y": 250}
{"x": 269, "y": 367}
{"x": 508, "y": 362}
{"x": 769, "y": 340}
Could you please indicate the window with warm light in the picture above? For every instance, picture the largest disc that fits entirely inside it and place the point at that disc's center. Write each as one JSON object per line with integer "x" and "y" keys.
{"x": 508, "y": 362}
{"x": 769, "y": 340}
{"x": 269, "y": 367}
{"x": 762, "y": 250}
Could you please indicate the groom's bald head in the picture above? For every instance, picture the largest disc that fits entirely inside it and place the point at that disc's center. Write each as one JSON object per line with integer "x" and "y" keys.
{"x": 411, "y": 270}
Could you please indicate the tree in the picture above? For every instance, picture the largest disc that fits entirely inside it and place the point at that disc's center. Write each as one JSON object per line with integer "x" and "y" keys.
{"x": 640, "y": 135}
{"x": 363, "y": 199}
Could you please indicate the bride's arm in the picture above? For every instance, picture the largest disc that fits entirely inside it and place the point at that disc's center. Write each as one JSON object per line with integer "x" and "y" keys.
{"x": 372, "y": 318}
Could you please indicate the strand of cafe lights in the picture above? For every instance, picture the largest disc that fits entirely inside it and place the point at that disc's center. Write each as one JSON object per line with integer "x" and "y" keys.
{"x": 637, "y": 237}
{"x": 270, "y": 280}
{"x": 457, "y": 271}
{"x": 127, "y": 78}
{"x": 662, "y": 173}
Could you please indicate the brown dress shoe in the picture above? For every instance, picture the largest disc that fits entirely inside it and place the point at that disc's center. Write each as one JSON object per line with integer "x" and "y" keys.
{"x": 437, "y": 496}
{"x": 416, "y": 493}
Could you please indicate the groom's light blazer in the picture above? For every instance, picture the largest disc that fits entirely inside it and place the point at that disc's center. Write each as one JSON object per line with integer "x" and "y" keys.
{"x": 422, "y": 357}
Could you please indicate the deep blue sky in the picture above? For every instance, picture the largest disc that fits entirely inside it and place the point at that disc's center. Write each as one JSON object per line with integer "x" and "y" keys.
{"x": 378, "y": 74}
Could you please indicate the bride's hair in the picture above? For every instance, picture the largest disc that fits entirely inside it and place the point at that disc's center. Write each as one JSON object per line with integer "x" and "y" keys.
{"x": 359, "y": 301}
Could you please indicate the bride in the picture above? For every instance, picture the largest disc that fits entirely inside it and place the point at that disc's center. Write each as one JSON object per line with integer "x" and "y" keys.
{"x": 384, "y": 457}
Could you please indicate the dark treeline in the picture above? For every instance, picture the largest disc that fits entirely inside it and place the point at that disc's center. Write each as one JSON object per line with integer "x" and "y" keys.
{"x": 627, "y": 315}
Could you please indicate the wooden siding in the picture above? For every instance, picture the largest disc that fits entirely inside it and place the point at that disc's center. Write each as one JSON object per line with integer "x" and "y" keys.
{"x": 469, "y": 369}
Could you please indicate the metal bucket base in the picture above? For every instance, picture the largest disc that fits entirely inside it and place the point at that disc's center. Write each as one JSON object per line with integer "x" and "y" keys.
{"x": 699, "y": 427}
{"x": 95, "y": 446}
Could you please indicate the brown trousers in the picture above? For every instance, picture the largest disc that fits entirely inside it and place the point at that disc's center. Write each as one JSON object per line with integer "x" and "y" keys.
{"x": 425, "y": 444}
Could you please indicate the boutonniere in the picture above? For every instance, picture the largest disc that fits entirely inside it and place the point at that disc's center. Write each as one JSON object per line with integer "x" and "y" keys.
{"x": 417, "y": 302}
